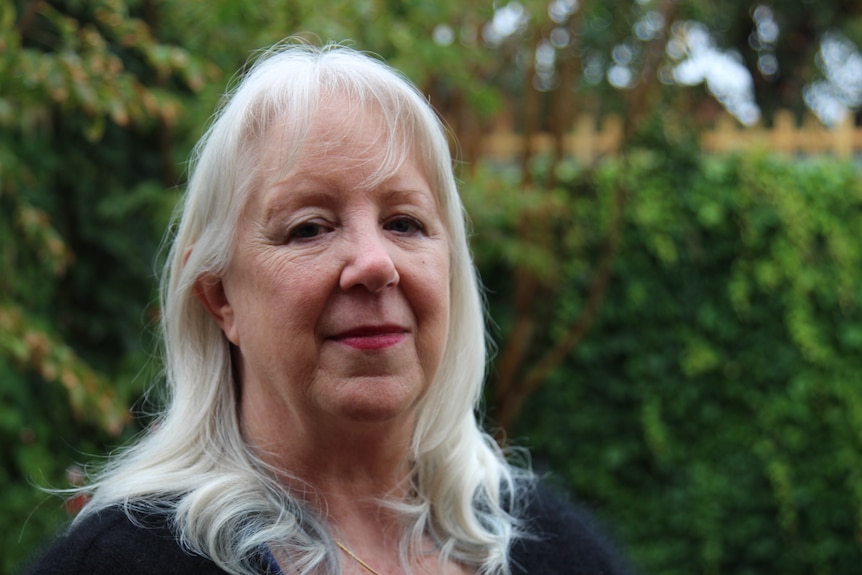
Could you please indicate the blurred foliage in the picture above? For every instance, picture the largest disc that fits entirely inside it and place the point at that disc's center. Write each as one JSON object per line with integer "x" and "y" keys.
{"x": 708, "y": 403}
{"x": 85, "y": 91}
{"x": 714, "y": 410}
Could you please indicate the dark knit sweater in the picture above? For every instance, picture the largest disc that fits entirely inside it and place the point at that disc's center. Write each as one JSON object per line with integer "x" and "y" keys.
{"x": 565, "y": 541}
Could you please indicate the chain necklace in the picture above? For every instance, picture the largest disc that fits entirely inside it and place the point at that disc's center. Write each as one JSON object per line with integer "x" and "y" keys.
{"x": 353, "y": 555}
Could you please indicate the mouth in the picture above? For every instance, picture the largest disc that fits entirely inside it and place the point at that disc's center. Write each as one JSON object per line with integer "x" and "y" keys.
{"x": 372, "y": 337}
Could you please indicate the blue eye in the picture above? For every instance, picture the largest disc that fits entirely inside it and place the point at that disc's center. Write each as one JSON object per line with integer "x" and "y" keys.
{"x": 403, "y": 225}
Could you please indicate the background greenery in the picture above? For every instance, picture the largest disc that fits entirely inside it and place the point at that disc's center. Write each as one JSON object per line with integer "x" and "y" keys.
{"x": 714, "y": 410}
{"x": 679, "y": 335}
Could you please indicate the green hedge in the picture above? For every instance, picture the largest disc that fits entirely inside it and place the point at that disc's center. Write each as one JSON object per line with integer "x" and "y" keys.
{"x": 714, "y": 414}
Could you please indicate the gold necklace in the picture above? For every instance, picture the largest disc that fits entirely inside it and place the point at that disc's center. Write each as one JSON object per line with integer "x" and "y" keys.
{"x": 354, "y": 556}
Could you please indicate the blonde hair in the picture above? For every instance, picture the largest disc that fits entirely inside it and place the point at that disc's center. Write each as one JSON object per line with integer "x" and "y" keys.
{"x": 193, "y": 463}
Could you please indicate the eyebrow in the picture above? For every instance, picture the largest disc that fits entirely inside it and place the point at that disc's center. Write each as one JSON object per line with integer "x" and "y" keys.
{"x": 321, "y": 192}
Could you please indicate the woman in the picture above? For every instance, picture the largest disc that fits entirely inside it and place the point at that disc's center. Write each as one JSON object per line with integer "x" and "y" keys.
{"x": 325, "y": 349}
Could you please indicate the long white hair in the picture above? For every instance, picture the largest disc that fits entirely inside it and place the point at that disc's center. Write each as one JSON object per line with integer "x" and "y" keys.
{"x": 193, "y": 463}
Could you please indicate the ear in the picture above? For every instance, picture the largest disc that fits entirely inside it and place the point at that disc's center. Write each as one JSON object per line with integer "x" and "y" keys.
{"x": 210, "y": 292}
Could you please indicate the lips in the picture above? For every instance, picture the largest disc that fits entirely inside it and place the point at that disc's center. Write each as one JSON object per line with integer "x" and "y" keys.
{"x": 372, "y": 337}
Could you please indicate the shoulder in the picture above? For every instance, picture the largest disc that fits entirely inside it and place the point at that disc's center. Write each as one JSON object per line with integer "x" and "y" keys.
{"x": 562, "y": 538}
{"x": 109, "y": 542}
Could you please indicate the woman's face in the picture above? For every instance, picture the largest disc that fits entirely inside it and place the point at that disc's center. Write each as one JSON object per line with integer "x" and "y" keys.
{"x": 337, "y": 296}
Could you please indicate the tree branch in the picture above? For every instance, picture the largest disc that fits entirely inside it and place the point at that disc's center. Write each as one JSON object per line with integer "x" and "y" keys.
{"x": 512, "y": 355}
{"x": 511, "y": 398}
{"x": 514, "y": 400}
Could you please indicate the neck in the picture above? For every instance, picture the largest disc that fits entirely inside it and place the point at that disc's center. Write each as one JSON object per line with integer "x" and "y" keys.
{"x": 347, "y": 461}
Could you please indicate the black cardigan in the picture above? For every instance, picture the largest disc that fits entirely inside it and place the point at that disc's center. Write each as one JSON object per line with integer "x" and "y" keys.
{"x": 565, "y": 541}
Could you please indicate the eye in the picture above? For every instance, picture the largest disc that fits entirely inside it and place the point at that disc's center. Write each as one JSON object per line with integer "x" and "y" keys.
{"x": 306, "y": 231}
{"x": 404, "y": 225}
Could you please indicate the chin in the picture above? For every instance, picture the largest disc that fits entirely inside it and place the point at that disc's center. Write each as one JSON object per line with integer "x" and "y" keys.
{"x": 378, "y": 405}
{"x": 378, "y": 411}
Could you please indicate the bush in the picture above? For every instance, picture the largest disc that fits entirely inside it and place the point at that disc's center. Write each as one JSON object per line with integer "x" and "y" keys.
{"x": 714, "y": 413}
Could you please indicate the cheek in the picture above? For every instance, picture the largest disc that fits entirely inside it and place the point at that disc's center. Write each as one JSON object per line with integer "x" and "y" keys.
{"x": 434, "y": 295}
{"x": 278, "y": 298}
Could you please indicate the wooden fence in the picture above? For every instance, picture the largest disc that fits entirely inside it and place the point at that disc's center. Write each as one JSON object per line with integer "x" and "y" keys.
{"x": 588, "y": 140}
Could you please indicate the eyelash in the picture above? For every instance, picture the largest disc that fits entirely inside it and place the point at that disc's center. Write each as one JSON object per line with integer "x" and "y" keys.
{"x": 297, "y": 233}
{"x": 413, "y": 222}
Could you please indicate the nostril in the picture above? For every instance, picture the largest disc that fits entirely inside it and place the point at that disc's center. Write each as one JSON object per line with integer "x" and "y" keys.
{"x": 371, "y": 267}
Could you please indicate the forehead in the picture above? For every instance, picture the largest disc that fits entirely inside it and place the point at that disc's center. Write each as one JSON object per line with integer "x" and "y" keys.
{"x": 342, "y": 129}
{"x": 342, "y": 135}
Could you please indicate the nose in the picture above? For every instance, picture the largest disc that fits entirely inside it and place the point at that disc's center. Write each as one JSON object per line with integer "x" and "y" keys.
{"x": 369, "y": 263}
